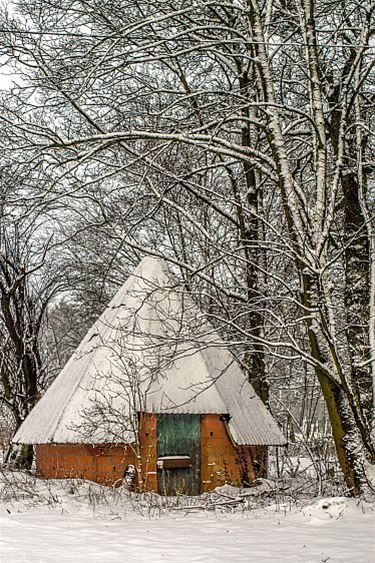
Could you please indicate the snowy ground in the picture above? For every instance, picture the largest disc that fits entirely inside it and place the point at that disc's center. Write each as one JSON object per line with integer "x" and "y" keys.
{"x": 78, "y": 523}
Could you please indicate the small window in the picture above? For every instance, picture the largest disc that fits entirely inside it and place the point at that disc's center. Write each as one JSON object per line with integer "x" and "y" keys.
{"x": 211, "y": 433}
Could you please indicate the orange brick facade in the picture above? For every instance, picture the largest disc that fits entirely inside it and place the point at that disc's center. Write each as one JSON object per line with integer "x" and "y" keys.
{"x": 221, "y": 460}
{"x": 103, "y": 464}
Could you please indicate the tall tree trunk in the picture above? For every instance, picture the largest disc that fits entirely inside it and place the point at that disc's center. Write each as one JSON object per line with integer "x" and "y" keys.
{"x": 356, "y": 295}
{"x": 349, "y": 430}
{"x": 250, "y": 232}
{"x": 22, "y": 335}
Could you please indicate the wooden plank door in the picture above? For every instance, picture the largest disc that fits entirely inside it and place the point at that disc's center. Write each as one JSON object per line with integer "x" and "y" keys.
{"x": 179, "y": 435}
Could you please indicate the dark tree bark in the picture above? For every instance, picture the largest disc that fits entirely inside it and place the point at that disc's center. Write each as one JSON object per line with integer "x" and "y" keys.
{"x": 20, "y": 322}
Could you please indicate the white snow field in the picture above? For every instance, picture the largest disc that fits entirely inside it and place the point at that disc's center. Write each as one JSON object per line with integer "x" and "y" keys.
{"x": 77, "y": 522}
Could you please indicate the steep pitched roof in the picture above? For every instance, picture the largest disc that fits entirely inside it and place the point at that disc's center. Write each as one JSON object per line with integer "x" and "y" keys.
{"x": 151, "y": 350}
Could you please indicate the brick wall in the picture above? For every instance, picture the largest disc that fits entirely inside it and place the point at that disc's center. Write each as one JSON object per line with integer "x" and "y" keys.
{"x": 148, "y": 439}
{"x": 222, "y": 461}
{"x": 103, "y": 464}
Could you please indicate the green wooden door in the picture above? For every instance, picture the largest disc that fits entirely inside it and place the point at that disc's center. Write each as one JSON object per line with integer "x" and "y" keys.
{"x": 179, "y": 435}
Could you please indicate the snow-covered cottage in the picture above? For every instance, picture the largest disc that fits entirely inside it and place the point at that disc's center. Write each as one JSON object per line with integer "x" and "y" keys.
{"x": 152, "y": 391}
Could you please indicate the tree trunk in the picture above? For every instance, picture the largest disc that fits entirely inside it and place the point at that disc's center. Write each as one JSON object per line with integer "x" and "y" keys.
{"x": 356, "y": 295}
{"x": 22, "y": 397}
{"x": 351, "y": 440}
{"x": 250, "y": 232}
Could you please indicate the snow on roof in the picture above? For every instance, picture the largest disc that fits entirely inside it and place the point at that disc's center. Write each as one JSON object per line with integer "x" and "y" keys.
{"x": 151, "y": 350}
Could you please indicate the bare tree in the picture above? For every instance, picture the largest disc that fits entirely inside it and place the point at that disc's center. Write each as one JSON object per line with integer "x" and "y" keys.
{"x": 28, "y": 282}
